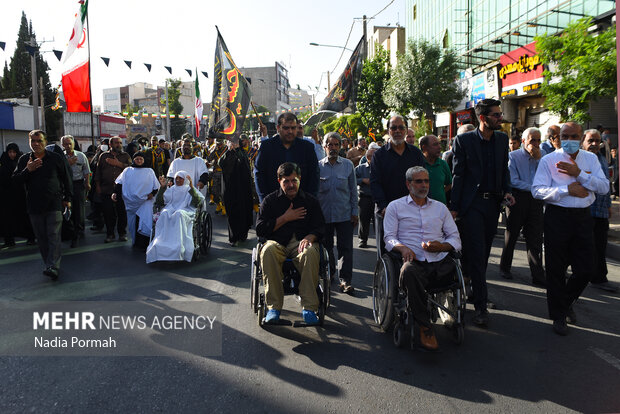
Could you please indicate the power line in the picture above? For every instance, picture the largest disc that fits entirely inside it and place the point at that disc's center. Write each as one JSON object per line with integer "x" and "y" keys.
{"x": 345, "y": 45}
{"x": 381, "y": 11}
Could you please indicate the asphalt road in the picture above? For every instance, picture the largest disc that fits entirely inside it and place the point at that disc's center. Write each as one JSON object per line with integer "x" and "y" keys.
{"x": 516, "y": 365}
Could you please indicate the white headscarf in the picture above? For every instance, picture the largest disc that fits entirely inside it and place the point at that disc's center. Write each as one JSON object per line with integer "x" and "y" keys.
{"x": 178, "y": 197}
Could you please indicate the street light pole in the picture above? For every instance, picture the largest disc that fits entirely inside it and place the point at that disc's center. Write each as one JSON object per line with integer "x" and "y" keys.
{"x": 35, "y": 94}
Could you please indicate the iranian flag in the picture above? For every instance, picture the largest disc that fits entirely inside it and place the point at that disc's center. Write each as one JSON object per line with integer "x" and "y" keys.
{"x": 76, "y": 75}
{"x": 78, "y": 35}
{"x": 198, "y": 108}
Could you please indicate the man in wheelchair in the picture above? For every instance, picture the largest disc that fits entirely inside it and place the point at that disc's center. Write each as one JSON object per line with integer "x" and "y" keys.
{"x": 423, "y": 231}
{"x": 292, "y": 223}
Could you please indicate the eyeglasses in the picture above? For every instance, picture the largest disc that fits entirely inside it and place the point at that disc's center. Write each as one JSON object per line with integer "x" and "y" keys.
{"x": 421, "y": 181}
{"x": 397, "y": 128}
{"x": 496, "y": 114}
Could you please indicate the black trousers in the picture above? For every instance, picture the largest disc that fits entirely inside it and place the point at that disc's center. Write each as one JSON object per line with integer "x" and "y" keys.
{"x": 114, "y": 214}
{"x": 78, "y": 208}
{"x": 601, "y": 227}
{"x": 478, "y": 228}
{"x": 526, "y": 214}
{"x": 416, "y": 276}
{"x": 568, "y": 241}
{"x": 344, "y": 246}
{"x": 366, "y": 207}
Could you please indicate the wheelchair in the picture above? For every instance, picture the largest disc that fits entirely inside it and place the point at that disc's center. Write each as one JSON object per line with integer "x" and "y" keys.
{"x": 389, "y": 301}
{"x": 290, "y": 283}
{"x": 202, "y": 229}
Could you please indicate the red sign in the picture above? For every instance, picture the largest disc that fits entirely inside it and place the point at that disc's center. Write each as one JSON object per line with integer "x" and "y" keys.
{"x": 520, "y": 66}
{"x": 111, "y": 126}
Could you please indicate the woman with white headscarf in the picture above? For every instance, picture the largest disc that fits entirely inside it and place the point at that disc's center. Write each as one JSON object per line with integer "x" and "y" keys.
{"x": 173, "y": 232}
{"x": 137, "y": 184}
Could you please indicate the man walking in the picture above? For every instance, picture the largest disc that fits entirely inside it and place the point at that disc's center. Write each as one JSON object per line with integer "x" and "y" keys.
{"x": 601, "y": 211}
{"x": 48, "y": 192}
{"x": 480, "y": 182}
{"x": 438, "y": 170}
{"x": 111, "y": 164}
{"x": 527, "y": 212}
{"x": 338, "y": 199}
{"x": 567, "y": 181}
{"x": 365, "y": 204}
{"x": 80, "y": 172}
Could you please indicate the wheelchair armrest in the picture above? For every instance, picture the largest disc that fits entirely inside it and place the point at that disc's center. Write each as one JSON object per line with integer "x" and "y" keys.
{"x": 262, "y": 240}
{"x": 455, "y": 254}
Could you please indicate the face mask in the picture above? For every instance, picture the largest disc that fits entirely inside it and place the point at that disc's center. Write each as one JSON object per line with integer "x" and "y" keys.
{"x": 570, "y": 146}
{"x": 104, "y": 147}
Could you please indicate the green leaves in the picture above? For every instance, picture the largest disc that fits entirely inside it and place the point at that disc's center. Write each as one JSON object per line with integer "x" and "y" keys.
{"x": 580, "y": 67}
{"x": 424, "y": 81}
{"x": 375, "y": 75}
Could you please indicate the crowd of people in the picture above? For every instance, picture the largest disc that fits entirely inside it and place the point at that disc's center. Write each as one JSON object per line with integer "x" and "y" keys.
{"x": 311, "y": 189}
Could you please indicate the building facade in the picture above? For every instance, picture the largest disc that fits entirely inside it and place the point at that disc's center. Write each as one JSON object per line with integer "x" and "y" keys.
{"x": 489, "y": 36}
{"x": 270, "y": 87}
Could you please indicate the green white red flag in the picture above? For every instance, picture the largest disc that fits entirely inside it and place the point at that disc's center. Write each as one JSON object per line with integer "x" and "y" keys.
{"x": 198, "y": 107}
{"x": 76, "y": 61}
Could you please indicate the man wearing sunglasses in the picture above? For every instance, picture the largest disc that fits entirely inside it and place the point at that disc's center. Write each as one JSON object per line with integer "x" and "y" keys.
{"x": 285, "y": 147}
{"x": 481, "y": 182}
{"x": 389, "y": 162}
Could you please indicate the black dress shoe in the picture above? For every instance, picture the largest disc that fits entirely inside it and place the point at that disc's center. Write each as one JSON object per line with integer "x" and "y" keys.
{"x": 560, "y": 327}
{"x": 481, "y": 318}
{"x": 505, "y": 274}
{"x": 571, "y": 317}
{"x": 51, "y": 272}
{"x": 362, "y": 245}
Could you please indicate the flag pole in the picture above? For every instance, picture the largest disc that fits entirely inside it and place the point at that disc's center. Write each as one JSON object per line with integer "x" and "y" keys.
{"x": 90, "y": 93}
{"x": 260, "y": 121}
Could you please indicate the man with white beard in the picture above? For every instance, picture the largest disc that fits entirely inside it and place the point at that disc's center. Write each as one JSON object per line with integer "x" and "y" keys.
{"x": 195, "y": 166}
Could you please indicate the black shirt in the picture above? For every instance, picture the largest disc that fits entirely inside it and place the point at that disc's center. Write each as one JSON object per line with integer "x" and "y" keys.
{"x": 276, "y": 204}
{"x": 487, "y": 150}
{"x": 387, "y": 173}
{"x": 47, "y": 186}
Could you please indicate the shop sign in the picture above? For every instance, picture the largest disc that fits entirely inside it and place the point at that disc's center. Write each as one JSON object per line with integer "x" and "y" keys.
{"x": 521, "y": 71}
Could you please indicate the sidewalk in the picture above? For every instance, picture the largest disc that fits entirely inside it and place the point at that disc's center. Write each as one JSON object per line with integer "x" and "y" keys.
{"x": 613, "y": 239}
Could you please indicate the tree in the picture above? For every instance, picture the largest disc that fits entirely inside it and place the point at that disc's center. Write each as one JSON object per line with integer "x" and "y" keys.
{"x": 582, "y": 67}
{"x": 251, "y": 123}
{"x": 375, "y": 76}
{"x": 424, "y": 81}
{"x": 177, "y": 126}
{"x": 17, "y": 79}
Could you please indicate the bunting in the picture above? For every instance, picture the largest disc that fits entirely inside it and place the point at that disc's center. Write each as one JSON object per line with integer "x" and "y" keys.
{"x": 231, "y": 94}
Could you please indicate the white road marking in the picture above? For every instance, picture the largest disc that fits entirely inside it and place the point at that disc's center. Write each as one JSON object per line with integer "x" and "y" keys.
{"x": 612, "y": 360}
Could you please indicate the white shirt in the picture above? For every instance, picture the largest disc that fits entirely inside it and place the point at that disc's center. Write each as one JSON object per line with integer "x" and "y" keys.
{"x": 409, "y": 224}
{"x": 551, "y": 186}
{"x": 195, "y": 167}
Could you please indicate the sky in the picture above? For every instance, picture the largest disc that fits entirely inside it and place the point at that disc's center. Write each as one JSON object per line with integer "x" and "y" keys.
{"x": 182, "y": 34}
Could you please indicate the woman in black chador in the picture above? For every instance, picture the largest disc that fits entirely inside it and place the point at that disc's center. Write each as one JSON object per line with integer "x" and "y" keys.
{"x": 14, "y": 220}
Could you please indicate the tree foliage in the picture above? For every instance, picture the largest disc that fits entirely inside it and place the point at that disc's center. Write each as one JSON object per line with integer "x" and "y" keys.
{"x": 375, "y": 76}
{"x": 579, "y": 68}
{"x": 177, "y": 126}
{"x": 355, "y": 125}
{"x": 17, "y": 77}
{"x": 424, "y": 81}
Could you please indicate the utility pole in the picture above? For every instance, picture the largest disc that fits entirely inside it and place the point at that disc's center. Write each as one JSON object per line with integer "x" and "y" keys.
{"x": 35, "y": 95}
{"x": 168, "y": 136}
{"x": 329, "y": 86}
{"x": 365, "y": 45}
{"x": 42, "y": 104}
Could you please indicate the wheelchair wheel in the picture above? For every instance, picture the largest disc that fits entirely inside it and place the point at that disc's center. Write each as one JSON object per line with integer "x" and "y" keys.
{"x": 254, "y": 281}
{"x": 400, "y": 334}
{"x": 459, "y": 334}
{"x": 206, "y": 234}
{"x": 383, "y": 295}
{"x": 261, "y": 310}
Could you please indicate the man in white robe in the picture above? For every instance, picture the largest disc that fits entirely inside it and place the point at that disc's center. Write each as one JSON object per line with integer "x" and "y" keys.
{"x": 138, "y": 184}
{"x": 195, "y": 166}
{"x": 174, "y": 229}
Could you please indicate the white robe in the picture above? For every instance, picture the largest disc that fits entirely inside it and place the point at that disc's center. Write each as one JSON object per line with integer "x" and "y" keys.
{"x": 137, "y": 184}
{"x": 174, "y": 239}
{"x": 195, "y": 167}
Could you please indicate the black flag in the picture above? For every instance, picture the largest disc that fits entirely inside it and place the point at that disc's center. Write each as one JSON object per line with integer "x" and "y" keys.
{"x": 106, "y": 60}
{"x": 169, "y": 69}
{"x": 58, "y": 54}
{"x": 189, "y": 71}
{"x": 342, "y": 95}
{"x": 231, "y": 94}
{"x": 206, "y": 75}
{"x": 148, "y": 66}
{"x": 128, "y": 63}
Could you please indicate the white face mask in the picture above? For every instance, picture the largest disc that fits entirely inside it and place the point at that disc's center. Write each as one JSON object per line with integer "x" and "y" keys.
{"x": 104, "y": 148}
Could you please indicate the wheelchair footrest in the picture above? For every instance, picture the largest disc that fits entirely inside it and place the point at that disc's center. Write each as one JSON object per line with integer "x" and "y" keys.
{"x": 283, "y": 322}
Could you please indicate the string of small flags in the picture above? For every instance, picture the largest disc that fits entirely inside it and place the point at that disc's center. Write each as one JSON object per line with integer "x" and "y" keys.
{"x": 180, "y": 116}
